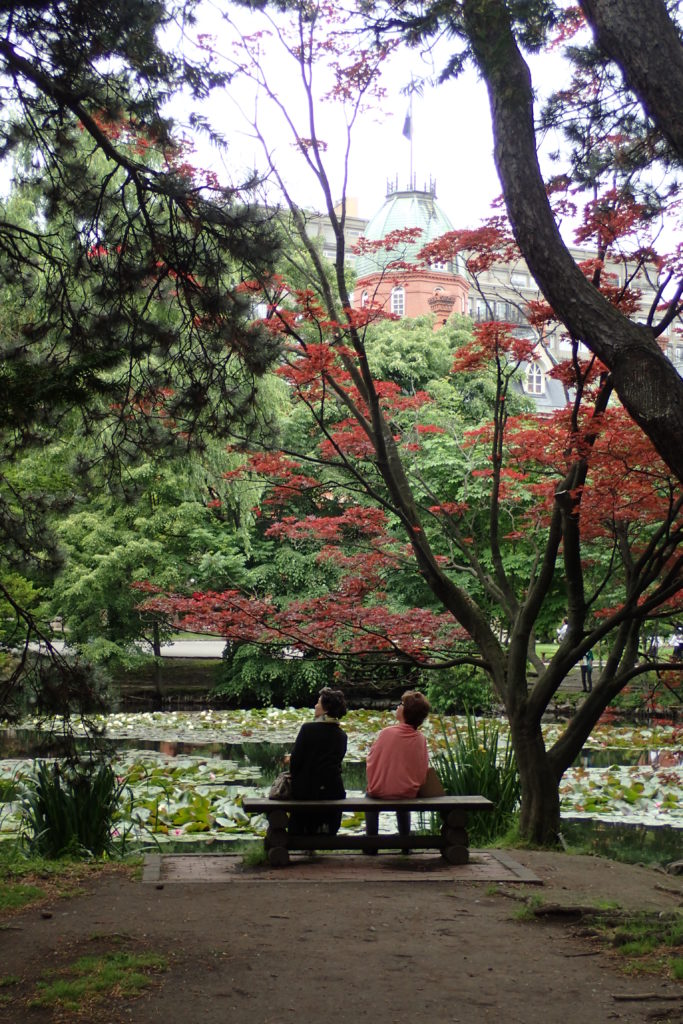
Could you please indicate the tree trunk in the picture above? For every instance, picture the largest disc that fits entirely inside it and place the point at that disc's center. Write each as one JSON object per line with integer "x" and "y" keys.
{"x": 646, "y": 382}
{"x": 540, "y": 810}
{"x": 158, "y": 682}
{"x": 643, "y": 40}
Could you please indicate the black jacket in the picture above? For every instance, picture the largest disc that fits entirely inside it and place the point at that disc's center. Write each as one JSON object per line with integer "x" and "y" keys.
{"x": 315, "y": 766}
{"x": 316, "y": 761}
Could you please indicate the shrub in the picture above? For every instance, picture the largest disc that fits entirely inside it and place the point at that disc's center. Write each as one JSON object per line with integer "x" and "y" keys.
{"x": 253, "y": 676}
{"x": 474, "y": 764}
{"x": 71, "y": 810}
{"x": 455, "y": 690}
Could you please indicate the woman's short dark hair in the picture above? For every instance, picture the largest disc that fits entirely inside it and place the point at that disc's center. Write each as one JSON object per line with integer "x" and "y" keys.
{"x": 416, "y": 707}
{"x": 333, "y": 702}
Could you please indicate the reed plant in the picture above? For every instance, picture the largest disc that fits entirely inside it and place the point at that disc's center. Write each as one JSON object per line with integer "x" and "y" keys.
{"x": 477, "y": 761}
{"x": 71, "y": 810}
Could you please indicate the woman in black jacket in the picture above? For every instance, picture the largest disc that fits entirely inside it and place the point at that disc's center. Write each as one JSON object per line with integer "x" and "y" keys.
{"x": 315, "y": 765}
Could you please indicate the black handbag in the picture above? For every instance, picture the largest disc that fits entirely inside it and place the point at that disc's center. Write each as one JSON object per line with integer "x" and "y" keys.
{"x": 281, "y": 788}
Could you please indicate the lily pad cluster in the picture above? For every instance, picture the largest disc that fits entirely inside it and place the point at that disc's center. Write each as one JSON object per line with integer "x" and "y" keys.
{"x": 186, "y": 797}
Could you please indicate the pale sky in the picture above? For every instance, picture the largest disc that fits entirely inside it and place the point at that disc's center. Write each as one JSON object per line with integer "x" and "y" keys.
{"x": 452, "y": 135}
{"x": 452, "y": 141}
{"x": 452, "y": 145}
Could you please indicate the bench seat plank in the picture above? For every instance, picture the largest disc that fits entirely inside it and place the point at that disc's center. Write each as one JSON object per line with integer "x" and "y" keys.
{"x": 367, "y": 803}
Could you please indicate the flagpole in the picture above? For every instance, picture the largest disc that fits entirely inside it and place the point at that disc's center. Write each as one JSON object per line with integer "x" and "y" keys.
{"x": 408, "y": 129}
{"x": 411, "y": 137}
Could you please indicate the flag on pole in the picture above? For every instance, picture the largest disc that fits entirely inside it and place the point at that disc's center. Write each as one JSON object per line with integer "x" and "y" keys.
{"x": 408, "y": 125}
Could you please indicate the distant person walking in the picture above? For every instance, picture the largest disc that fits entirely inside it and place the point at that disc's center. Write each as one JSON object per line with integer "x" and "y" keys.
{"x": 562, "y": 631}
{"x": 587, "y": 672}
{"x": 678, "y": 646}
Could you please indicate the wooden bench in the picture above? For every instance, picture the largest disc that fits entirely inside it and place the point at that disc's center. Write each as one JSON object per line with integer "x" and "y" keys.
{"x": 451, "y": 840}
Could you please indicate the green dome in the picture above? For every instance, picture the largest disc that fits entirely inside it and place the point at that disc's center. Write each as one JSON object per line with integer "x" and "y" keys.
{"x": 407, "y": 209}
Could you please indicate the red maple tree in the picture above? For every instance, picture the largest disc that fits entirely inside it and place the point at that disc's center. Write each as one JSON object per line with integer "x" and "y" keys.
{"x": 578, "y": 503}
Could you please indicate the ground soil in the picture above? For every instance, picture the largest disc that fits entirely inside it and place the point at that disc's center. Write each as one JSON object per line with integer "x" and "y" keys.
{"x": 365, "y": 943}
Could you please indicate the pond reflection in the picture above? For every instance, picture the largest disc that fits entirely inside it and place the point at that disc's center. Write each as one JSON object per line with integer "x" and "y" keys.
{"x": 267, "y": 757}
{"x": 635, "y": 843}
{"x": 605, "y": 757}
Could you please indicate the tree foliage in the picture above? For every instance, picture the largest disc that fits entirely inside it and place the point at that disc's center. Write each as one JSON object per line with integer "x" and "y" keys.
{"x": 120, "y": 262}
{"x": 622, "y": 126}
{"x": 516, "y": 512}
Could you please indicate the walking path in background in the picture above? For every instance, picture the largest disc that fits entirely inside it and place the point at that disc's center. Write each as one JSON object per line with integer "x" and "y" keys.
{"x": 199, "y": 649}
{"x": 193, "y": 649}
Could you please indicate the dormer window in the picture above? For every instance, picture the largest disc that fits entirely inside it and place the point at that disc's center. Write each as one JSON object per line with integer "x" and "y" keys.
{"x": 535, "y": 380}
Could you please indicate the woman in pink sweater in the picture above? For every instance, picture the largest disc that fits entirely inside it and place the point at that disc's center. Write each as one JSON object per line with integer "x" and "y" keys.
{"x": 398, "y": 760}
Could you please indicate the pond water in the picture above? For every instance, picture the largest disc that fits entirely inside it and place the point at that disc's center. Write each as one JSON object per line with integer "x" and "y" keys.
{"x": 268, "y": 755}
{"x": 188, "y": 773}
{"x": 261, "y": 760}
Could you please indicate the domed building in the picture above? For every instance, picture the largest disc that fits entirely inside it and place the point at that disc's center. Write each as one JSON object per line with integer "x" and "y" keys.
{"x": 411, "y": 291}
{"x": 502, "y": 291}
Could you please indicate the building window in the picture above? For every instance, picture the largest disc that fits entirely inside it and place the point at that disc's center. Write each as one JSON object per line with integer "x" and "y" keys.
{"x": 518, "y": 280}
{"x": 535, "y": 380}
{"x": 398, "y": 301}
{"x": 364, "y": 299}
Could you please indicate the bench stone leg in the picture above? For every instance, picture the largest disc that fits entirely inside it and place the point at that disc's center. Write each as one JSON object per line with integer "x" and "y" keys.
{"x": 454, "y": 840}
{"x": 278, "y": 856}
{"x": 276, "y": 838}
{"x": 455, "y": 854}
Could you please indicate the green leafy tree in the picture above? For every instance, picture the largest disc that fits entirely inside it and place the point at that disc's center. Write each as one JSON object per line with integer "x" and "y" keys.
{"x": 120, "y": 262}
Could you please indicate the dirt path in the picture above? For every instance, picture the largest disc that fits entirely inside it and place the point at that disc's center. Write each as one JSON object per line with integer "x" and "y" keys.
{"x": 374, "y": 948}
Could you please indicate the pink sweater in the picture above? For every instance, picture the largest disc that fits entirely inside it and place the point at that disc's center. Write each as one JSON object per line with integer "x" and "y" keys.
{"x": 397, "y": 762}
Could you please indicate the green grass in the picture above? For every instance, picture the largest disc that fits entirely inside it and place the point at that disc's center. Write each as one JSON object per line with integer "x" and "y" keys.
{"x": 640, "y": 934}
{"x": 27, "y": 880}
{"x": 526, "y": 913}
{"x": 15, "y": 895}
{"x": 253, "y": 855}
{"x": 642, "y": 941}
{"x": 99, "y": 977}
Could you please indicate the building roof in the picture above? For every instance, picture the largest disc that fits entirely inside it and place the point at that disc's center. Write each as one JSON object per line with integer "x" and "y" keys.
{"x": 407, "y": 208}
